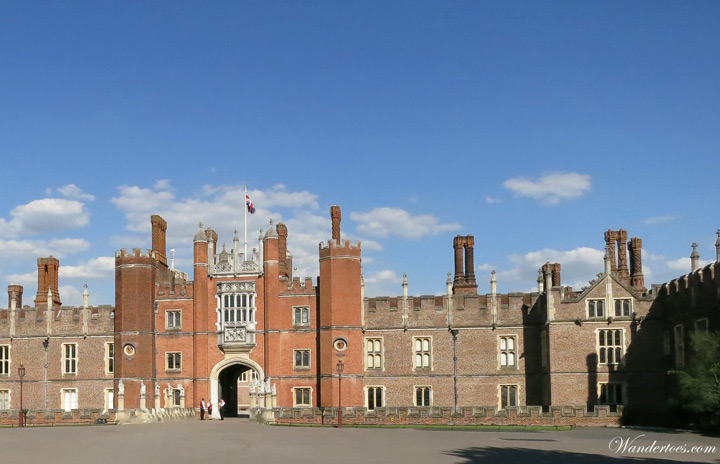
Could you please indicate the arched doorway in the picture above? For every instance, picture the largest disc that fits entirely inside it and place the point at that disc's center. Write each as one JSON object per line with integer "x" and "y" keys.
{"x": 231, "y": 380}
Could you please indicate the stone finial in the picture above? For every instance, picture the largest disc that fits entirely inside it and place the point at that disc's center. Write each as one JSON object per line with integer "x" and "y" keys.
{"x": 448, "y": 284}
{"x": 717, "y": 247}
{"x": 694, "y": 258}
{"x": 607, "y": 258}
{"x": 493, "y": 282}
{"x": 86, "y": 297}
{"x": 172, "y": 258}
{"x": 405, "y": 286}
{"x": 540, "y": 281}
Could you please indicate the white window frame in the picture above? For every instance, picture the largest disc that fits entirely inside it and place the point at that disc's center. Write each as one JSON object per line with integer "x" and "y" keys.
{"x": 73, "y": 399}
{"x": 174, "y": 354}
{"x": 295, "y": 358}
{"x": 310, "y": 397}
{"x": 611, "y": 394}
{"x": 424, "y": 355}
{"x": 507, "y": 356}
{"x": 300, "y": 311}
{"x": 702, "y": 324}
{"x": 4, "y": 399}
{"x": 173, "y": 319}
{"x": 501, "y": 398}
{"x": 374, "y": 389}
{"x": 5, "y": 365}
{"x": 605, "y": 347}
{"x": 374, "y": 355}
{"x": 69, "y": 363}
{"x": 594, "y": 302}
{"x": 245, "y": 377}
{"x": 109, "y": 358}
{"x": 109, "y": 399}
{"x": 422, "y": 389}
{"x": 679, "y": 345}
{"x": 629, "y": 304}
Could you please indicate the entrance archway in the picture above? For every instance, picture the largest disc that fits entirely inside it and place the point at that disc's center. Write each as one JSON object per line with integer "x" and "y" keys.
{"x": 230, "y": 379}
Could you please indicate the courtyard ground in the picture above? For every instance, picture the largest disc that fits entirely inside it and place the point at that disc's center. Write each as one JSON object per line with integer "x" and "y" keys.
{"x": 239, "y": 441}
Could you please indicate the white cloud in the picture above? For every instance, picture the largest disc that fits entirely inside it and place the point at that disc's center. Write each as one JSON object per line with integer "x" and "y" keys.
{"x": 74, "y": 192}
{"x": 683, "y": 266}
{"x": 101, "y": 268}
{"x": 578, "y": 267}
{"x": 551, "y": 188}
{"x": 491, "y": 200}
{"x": 31, "y": 249}
{"x": 385, "y": 282}
{"x": 659, "y": 220}
{"x": 383, "y": 222}
{"x": 26, "y": 280}
{"x": 46, "y": 216}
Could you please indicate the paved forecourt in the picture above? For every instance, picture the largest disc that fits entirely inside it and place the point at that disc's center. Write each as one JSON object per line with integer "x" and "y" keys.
{"x": 236, "y": 440}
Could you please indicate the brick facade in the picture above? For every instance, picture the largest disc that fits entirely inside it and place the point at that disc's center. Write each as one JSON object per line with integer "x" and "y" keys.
{"x": 244, "y": 328}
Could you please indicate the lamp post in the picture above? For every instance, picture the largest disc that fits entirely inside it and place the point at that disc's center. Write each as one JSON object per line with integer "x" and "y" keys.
{"x": 21, "y": 374}
{"x": 46, "y": 343}
{"x": 340, "y": 367}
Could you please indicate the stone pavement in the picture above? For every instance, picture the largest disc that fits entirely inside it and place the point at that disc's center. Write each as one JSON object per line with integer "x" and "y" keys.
{"x": 238, "y": 441}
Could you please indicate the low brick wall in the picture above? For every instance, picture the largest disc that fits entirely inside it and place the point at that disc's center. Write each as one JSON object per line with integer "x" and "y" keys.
{"x": 574, "y": 416}
{"x": 43, "y": 417}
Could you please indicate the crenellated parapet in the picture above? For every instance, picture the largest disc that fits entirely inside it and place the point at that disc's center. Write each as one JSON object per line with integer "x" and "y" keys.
{"x": 65, "y": 321}
{"x": 341, "y": 248}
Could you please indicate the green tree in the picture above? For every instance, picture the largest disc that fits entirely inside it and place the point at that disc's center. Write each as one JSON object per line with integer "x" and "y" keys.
{"x": 700, "y": 380}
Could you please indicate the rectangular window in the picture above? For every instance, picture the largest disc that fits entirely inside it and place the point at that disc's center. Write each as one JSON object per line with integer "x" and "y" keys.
{"x": 423, "y": 355}
{"x": 679, "y": 346}
{"x": 596, "y": 308}
{"x": 622, "y": 308}
{"x": 4, "y": 399}
{"x": 301, "y": 316}
{"x": 374, "y": 397}
{"x": 611, "y": 347}
{"x": 302, "y": 359}
{"x": 110, "y": 358}
{"x": 302, "y": 396}
{"x": 109, "y": 399}
{"x": 611, "y": 393}
{"x": 176, "y": 397}
{"x": 69, "y": 399}
{"x": 373, "y": 354}
{"x": 4, "y": 359}
{"x": 248, "y": 375}
{"x": 173, "y": 319}
{"x": 508, "y": 353}
{"x": 69, "y": 359}
{"x": 508, "y": 396}
{"x": 423, "y": 396}
{"x": 174, "y": 361}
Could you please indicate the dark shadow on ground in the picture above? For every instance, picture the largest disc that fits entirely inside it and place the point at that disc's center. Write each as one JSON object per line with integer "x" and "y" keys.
{"x": 534, "y": 456}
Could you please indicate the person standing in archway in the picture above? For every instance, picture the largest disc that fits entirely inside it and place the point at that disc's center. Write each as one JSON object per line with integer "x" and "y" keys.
{"x": 221, "y": 408}
{"x": 203, "y": 408}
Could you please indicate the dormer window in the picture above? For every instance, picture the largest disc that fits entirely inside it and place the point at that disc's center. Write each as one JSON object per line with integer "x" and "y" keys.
{"x": 595, "y": 308}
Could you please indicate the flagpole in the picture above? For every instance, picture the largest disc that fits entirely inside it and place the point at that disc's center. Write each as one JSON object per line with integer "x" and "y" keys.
{"x": 245, "y": 208}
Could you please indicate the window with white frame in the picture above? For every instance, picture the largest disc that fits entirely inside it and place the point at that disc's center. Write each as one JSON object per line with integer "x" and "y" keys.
{"x": 679, "y": 346}
{"x": 176, "y": 394}
{"x": 109, "y": 358}
{"x": 423, "y": 354}
{"x": 611, "y": 347}
{"x": 595, "y": 308}
{"x": 373, "y": 353}
{"x": 374, "y": 397}
{"x": 302, "y": 396}
{"x": 508, "y": 352}
{"x": 4, "y": 359}
{"x": 301, "y": 315}
{"x": 508, "y": 396}
{"x": 611, "y": 393}
{"x": 248, "y": 375}
{"x": 173, "y": 319}
{"x": 69, "y": 358}
{"x": 4, "y": 399}
{"x": 301, "y": 359}
{"x": 109, "y": 398}
{"x": 173, "y": 361}
{"x": 69, "y": 399}
{"x": 238, "y": 307}
{"x": 423, "y": 396}
{"x": 623, "y": 307}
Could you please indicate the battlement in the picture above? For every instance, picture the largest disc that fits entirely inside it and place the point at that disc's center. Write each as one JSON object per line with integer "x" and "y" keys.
{"x": 136, "y": 253}
{"x": 67, "y": 320}
{"x": 700, "y": 279}
{"x": 353, "y": 247}
{"x": 296, "y": 286}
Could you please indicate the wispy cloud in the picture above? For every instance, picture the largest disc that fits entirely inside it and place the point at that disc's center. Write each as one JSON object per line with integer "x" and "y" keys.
{"x": 659, "y": 220}
{"x": 491, "y": 200}
{"x": 385, "y": 222}
{"x": 550, "y": 189}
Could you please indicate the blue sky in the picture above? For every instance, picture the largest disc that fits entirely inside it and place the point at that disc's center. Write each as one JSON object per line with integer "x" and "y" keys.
{"x": 534, "y": 126}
